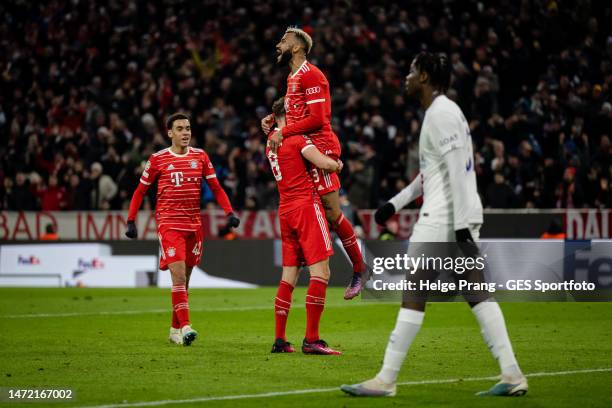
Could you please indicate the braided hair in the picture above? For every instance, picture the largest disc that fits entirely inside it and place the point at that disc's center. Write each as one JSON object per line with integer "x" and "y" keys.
{"x": 437, "y": 68}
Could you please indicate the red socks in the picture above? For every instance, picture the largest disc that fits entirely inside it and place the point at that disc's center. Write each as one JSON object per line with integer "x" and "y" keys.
{"x": 175, "y": 320}
{"x": 282, "y": 304}
{"x": 180, "y": 306}
{"x": 345, "y": 232}
{"x": 315, "y": 302}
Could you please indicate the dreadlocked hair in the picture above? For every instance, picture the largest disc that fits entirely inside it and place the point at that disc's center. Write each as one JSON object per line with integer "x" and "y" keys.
{"x": 437, "y": 68}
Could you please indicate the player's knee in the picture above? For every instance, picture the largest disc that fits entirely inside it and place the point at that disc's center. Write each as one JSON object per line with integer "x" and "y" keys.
{"x": 320, "y": 270}
{"x": 179, "y": 273}
{"x": 332, "y": 215}
{"x": 418, "y": 306}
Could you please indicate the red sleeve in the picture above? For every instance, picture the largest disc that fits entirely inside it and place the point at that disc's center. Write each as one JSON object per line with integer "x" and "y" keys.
{"x": 150, "y": 172}
{"x": 139, "y": 194}
{"x": 316, "y": 89}
{"x": 303, "y": 143}
{"x": 149, "y": 175}
{"x": 211, "y": 179}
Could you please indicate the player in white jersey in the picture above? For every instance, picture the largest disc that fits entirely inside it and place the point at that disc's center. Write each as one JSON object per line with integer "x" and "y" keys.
{"x": 451, "y": 212}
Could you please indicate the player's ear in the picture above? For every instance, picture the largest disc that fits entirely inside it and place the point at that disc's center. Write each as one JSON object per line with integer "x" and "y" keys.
{"x": 423, "y": 77}
{"x": 170, "y": 133}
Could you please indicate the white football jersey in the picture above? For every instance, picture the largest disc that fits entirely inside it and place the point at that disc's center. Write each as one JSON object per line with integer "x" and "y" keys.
{"x": 444, "y": 129}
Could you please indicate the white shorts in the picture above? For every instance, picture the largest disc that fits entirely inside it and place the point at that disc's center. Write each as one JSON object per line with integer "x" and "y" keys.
{"x": 432, "y": 232}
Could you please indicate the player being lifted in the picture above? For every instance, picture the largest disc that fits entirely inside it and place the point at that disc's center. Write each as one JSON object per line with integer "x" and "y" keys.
{"x": 304, "y": 233}
{"x": 451, "y": 212}
{"x": 308, "y": 112}
{"x": 179, "y": 171}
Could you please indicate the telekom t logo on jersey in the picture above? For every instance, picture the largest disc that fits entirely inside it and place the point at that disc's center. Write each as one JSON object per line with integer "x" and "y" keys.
{"x": 177, "y": 178}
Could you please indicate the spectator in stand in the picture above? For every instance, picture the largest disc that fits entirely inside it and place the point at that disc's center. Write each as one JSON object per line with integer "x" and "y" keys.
{"x": 50, "y": 233}
{"x": 52, "y": 197}
{"x": 19, "y": 195}
{"x": 104, "y": 188}
{"x": 500, "y": 194}
{"x": 84, "y": 82}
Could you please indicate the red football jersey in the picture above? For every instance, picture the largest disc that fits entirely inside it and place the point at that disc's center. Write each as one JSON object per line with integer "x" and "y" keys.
{"x": 179, "y": 186}
{"x": 295, "y": 185}
{"x": 306, "y": 86}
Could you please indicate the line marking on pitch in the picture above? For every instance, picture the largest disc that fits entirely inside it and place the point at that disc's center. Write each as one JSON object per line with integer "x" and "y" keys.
{"x": 323, "y": 390}
{"x": 208, "y": 309}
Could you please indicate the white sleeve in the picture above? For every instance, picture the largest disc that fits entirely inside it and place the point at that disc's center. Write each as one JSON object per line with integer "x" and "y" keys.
{"x": 408, "y": 194}
{"x": 455, "y": 163}
{"x": 446, "y": 131}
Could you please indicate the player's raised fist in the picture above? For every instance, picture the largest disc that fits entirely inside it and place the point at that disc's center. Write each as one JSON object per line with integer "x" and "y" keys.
{"x": 383, "y": 213}
{"x": 267, "y": 122}
{"x": 232, "y": 221}
{"x": 132, "y": 231}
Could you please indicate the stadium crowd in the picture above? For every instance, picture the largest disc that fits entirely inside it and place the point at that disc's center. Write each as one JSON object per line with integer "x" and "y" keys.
{"x": 86, "y": 87}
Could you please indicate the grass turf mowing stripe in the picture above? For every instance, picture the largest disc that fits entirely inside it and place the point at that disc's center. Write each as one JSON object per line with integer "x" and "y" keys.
{"x": 208, "y": 309}
{"x": 323, "y": 390}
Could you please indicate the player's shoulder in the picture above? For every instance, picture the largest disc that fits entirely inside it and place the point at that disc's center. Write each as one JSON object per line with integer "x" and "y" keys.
{"x": 299, "y": 142}
{"x": 196, "y": 151}
{"x": 310, "y": 70}
{"x": 159, "y": 155}
{"x": 443, "y": 107}
{"x": 161, "y": 152}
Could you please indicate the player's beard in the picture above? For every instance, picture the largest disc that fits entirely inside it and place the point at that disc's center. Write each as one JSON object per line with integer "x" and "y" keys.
{"x": 414, "y": 92}
{"x": 284, "y": 58}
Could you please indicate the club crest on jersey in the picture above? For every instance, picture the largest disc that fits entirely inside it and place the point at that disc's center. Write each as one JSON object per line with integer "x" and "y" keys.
{"x": 193, "y": 164}
{"x": 171, "y": 251}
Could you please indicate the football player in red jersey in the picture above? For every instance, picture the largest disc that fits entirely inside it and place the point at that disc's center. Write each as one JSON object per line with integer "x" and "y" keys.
{"x": 179, "y": 171}
{"x": 304, "y": 233}
{"x": 308, "y": 112}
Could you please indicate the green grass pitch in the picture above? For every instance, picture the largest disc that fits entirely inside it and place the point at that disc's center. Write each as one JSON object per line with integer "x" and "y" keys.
{"x": 111, "y": 347}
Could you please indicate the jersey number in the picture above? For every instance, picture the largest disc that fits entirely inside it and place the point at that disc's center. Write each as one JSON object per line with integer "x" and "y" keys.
{"x": 315, "y": 175}
{"x": 273, "y": 158}
{"x": 197, "y": 248}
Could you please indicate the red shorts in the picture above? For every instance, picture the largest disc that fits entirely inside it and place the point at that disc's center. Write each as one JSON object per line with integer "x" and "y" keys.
{"x": 325, "y": 182}
{"x": 305, "y": 236}
{"x": 177, "y": 245}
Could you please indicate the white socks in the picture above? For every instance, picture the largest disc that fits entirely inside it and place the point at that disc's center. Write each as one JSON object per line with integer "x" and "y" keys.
{"x": 493, "y": 329}
{"x": 406, "y": 328}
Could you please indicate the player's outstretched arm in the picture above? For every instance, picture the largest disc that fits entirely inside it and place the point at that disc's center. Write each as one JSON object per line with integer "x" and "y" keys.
{"x": 313, "y": 155}
{"x": 223, "y": 200}
{"x": 139, "y": 193}
{"x": 399, "y": 201}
